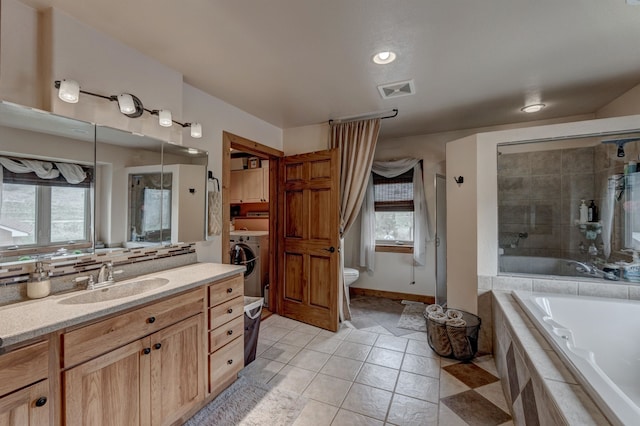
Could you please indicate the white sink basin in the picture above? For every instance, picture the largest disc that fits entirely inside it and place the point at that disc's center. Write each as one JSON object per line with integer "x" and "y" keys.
{"x": 117, "y": 291}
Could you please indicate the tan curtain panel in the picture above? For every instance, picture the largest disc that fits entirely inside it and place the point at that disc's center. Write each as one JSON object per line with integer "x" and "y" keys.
{"x": 357, "y": 143}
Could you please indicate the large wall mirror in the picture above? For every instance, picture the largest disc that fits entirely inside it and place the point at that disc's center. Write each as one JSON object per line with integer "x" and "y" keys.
{"x": 541, "y": 189}
{"x": 69, "y": 186}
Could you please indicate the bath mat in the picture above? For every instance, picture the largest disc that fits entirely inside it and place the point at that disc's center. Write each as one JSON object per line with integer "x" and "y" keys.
{"x": 250, "y": 403}
{"x": 412, "y": 317}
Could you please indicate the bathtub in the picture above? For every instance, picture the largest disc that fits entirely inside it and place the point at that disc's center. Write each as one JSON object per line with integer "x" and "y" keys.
{"x": 537, "y": 265}
{"x": 599, "y": 340}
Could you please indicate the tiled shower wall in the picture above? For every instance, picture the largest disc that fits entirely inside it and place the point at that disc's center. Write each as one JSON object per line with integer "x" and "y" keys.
{"x": 539, "y": 194}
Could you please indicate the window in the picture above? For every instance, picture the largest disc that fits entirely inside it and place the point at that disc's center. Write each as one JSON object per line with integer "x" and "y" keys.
{"x": 37, "y": 212}
{"x": 394, "y": 209}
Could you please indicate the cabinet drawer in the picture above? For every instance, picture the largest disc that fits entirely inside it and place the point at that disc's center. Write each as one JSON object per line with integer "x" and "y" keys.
{"x": 225, "y": 312}
{"x": 23, "y": 367}
{"x": 95, "y": 339}
{"x": 225, "y": 333}
{"x": 226, "y": 290}
{"x": 225, "y": 363}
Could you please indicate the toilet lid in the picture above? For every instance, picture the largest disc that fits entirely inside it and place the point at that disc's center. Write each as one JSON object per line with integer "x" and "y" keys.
{"x": 350, "y": 272}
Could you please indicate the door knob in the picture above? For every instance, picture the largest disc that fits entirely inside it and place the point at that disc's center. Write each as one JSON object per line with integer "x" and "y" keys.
{"x": 330, "y": 249}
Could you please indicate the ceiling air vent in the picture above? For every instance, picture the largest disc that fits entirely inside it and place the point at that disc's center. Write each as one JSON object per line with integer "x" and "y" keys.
{"x": 394, "y": 90}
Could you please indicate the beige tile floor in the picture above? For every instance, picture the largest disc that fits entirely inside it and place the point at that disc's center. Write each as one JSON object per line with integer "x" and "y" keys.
{"x": 371, "y": 377}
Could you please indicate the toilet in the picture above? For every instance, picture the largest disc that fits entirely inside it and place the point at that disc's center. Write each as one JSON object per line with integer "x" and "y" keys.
{"x": 350, "y": 276}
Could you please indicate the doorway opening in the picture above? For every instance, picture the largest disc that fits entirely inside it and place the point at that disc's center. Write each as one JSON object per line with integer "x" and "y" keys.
{"x": 249, "y": 200}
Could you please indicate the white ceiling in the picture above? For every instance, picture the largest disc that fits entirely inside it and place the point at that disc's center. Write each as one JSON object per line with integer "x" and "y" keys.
{"x": 300, "y": 62}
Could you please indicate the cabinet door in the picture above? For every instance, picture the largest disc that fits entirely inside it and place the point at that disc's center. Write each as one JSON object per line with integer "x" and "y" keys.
{"x": 235, "y": 188}
{"x": 177, "y": 370}
{"x": 27, "y": 407}
{"x": 252, "y": 186}
{"x": 265, "y": 184}
{"x": 112, "y": 389}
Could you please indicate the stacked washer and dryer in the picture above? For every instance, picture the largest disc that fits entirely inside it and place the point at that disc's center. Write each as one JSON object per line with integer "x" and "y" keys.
{"x": 251, "y": 248}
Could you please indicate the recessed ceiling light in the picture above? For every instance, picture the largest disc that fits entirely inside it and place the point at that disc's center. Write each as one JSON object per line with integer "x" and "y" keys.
{"x": 532, "y": 108}
{"x": 384, "y": 58}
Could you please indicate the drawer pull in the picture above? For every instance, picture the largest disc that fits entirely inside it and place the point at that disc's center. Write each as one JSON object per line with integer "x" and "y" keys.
{"x": 146, "y": 351}
{"x": 229, "y": 290}
{"x": 151, "y": 320}
{"x": 40, "y": 402}
{"x": 157, "y": 345}
{"x": 230, "y": 362}
{"x": 229, "y": 333}
{"x": 230, "y": 311}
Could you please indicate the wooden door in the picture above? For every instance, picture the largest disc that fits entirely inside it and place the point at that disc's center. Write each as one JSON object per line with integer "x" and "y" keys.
{"x": 308, "y": 193}
{"x": 27, "y": 407}
{"x": 177, "y": 370}
{"x": 265, "y": 183}
{"x": 112, "y": 389}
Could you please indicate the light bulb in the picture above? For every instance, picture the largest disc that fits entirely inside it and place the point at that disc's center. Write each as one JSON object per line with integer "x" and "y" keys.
{"x": 196, "y": 130}
{"x": 532, "y": 108}
{"x": 125, "y": 102}
{"x": 385, "y": 57}
{"x": 69, "y": 91}
{"x": 164, "y": 118}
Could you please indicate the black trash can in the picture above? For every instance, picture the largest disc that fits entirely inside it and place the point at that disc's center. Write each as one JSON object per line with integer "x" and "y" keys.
{"x": 252, "y": 313}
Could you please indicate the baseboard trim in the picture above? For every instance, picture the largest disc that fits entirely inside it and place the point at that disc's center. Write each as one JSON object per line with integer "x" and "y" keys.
{"x": 354, "y": 291}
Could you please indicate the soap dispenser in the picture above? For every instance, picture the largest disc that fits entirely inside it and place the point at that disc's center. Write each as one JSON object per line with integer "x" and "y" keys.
{"x": 40, "y": 285}
{"x": 584, "y": 213}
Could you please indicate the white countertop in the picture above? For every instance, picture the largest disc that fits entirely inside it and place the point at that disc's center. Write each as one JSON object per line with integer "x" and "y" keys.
{"x": 33, "y": 318}
{"x": 249, "y": 233}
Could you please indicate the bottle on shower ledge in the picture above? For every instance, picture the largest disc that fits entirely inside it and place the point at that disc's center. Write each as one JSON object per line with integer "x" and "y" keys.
{"x": 592, "y": 212}
{"x": 584, "y": 212}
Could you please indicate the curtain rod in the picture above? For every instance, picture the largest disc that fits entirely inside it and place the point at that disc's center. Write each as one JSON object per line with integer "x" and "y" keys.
{"x": 394, "y": 113}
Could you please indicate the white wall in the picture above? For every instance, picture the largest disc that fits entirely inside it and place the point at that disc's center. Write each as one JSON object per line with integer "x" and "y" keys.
{"x": 19, "y": 81}
{"x": 299, "y": 140}
{"x": 217, "y": 116}
{"x": 626, "y": 104}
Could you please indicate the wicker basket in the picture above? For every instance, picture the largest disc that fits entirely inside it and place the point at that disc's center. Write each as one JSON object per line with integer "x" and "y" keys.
{"x": 456, "y": 342}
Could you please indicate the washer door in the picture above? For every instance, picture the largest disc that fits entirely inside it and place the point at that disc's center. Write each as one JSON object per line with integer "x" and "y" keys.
{"x": 241, "y": 254}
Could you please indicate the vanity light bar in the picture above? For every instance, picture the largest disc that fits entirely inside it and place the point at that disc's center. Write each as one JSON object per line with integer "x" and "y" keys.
{"x": 129, "y": 105}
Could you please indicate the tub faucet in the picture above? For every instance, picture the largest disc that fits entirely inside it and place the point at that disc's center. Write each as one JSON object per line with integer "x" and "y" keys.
{"x": 590, "y": 269}
{"x": 582, "y": 267}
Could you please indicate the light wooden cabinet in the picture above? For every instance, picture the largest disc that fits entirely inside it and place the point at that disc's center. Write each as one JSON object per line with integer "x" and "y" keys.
{"x": 27, "y": 407}
{"x": 153, "y": 379}
{"x": 177, "y": 370}
{"x": 248, "y": 186}
{"x": 226, "y": 332}
{"x": 24, "y": 385}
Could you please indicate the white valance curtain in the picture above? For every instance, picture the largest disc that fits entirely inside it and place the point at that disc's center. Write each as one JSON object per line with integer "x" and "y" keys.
{"x": 72, "y": 173}
{"x": 421, "y": 233}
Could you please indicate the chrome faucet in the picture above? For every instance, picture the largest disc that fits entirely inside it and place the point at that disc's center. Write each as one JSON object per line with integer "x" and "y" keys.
{"x": 106, "y": 273}
{"x": 581, "y": 267}
{"x": 590, "y": 269}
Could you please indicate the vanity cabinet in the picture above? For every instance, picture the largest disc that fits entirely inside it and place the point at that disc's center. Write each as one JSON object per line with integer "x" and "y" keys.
{"x": 153, "y": 379}
{"x": 225, "y": 329}
{"x": 248, "y": 186}
{"x": 24, "y": 386}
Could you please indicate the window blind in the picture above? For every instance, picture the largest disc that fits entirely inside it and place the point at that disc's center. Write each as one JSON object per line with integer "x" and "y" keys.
{"x": 393, "y": 194}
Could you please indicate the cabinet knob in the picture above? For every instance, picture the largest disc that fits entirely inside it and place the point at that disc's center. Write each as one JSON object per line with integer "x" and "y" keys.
{"x": 230, "y": 311}
{"x": 146, "y": 351}
{"x": 151, "y": 320}
{"x": 41, "y": 401}
{"x": 229, "y": 290}
{"x": 229, "y": 333}
{"x": 157, "y": 345}
{"x": 230, "y": 362}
